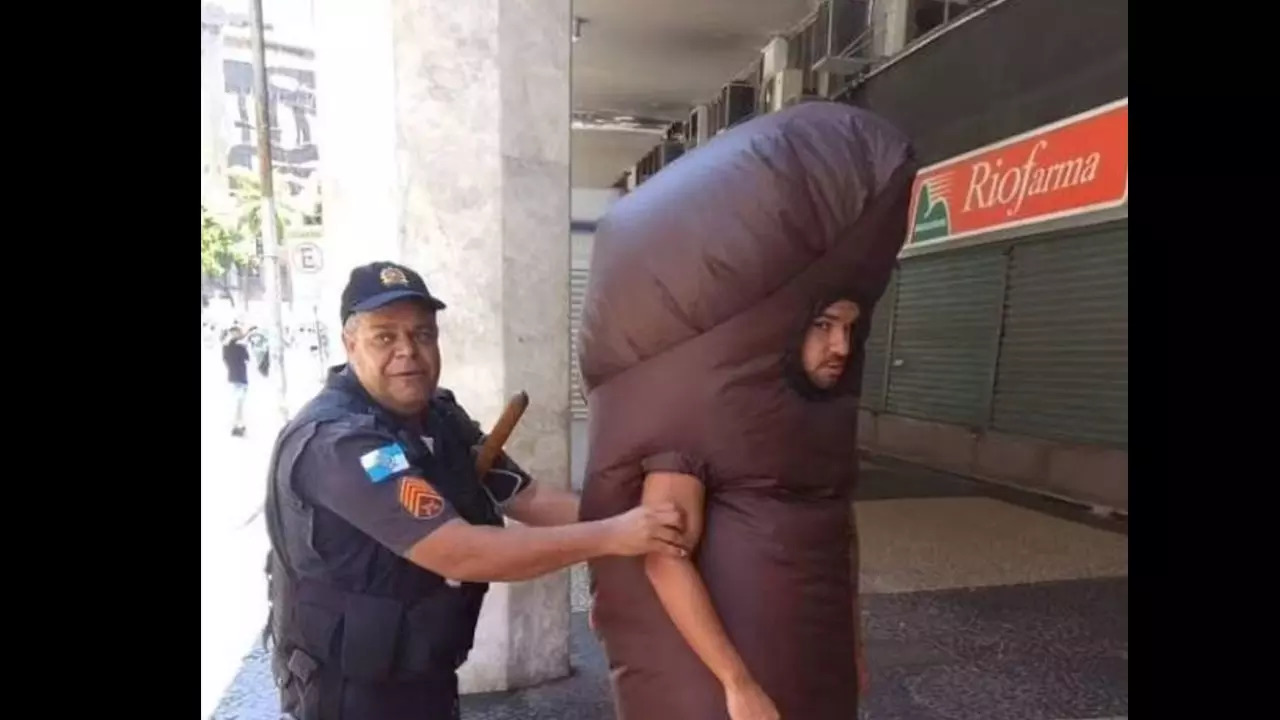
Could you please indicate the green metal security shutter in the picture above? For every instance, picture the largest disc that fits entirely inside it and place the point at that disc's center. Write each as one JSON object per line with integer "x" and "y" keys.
{"x": 1064, "y": 358}
{"x": 944, "y": 335}
{"x": 877, "y": 350}
{"x": 577, "y": 291}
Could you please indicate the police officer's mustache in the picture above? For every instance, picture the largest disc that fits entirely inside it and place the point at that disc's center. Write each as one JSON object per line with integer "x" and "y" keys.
{"x": 408, "y": 372}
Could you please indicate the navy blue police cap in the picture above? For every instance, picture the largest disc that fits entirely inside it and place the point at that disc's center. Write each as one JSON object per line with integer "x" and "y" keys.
{"x": 378, "y": 284}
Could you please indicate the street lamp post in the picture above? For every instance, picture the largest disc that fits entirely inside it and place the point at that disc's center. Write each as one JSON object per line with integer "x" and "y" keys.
{"x": 270, "y": 241}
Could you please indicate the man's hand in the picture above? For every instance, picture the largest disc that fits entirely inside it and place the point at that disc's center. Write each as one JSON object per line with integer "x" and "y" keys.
{"x": 480, "y": 553}
{"x": 647, "y": 529}
{"x": 748, "y": 701}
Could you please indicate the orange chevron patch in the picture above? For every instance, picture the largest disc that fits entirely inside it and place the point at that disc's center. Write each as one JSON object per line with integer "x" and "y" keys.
{"x": 419, "y": 498}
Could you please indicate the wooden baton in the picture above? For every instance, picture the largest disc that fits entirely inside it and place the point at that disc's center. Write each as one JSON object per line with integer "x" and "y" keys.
{"x": 493, "y": 442}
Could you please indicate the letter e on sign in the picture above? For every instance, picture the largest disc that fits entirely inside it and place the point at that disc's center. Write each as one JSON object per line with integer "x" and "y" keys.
{"x": 307, "y": 258}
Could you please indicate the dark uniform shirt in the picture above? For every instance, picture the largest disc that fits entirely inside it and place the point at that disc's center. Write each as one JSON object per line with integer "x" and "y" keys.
{"x": 361, "y": 485}
{"x": 356, "y": 474}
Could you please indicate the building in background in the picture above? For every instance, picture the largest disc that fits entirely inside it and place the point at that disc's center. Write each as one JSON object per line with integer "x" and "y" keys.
{"x": 228, "y": 137}
{"x": 1000, "y": 350}
{"x": 212, "y": 90}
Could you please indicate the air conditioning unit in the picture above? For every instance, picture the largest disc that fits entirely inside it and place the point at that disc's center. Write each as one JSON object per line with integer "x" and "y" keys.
{"x": 774, "y": 58}
{"x": 698, "y": 129}
{"x": 668, "y": 151}
{"x": 828, "y": 84}
{"x": 890, "y": 23}
{"x": 737, "y": 102}
{"x": 843, "y": 37}
{"x": 657, "y": 158}
{"x": 783, "y": 88}
{"x": 647, "y": 165}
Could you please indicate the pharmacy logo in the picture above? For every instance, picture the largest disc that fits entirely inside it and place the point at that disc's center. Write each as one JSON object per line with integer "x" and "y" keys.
{"x": 932, "y": 219}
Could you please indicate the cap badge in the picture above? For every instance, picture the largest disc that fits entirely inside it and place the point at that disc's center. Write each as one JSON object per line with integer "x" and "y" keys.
{"x": 393, "y": 276}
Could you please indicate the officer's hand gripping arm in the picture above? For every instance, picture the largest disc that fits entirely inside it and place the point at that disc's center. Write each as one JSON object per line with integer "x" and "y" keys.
{"x": 364, "y": 477}
{"x": 475, "y": 553}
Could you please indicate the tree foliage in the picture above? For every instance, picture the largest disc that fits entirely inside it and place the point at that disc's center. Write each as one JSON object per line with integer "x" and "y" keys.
{"x": 246, "y": 200}
{"x": 221, "y": 245}
{"x": 231, "y": 231}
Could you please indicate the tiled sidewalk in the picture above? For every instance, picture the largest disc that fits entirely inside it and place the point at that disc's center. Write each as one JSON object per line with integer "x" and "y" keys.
{"x": 981, "y": 604}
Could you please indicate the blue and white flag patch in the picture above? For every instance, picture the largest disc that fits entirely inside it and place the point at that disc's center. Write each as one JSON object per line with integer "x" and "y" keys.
{"x": 384, "y": 462}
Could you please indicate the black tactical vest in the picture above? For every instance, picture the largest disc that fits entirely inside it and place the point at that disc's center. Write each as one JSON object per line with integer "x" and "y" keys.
{"x": 417, "y": 625}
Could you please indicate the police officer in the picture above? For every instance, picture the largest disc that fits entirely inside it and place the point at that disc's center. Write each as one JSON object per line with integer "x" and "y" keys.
{"x": 383, "y": 539}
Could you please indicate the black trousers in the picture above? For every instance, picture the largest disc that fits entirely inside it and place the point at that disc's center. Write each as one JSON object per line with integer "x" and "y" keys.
{"x": 335, "y": 698}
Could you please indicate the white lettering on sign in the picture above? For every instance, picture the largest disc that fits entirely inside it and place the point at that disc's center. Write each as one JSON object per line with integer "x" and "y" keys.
{"x": 992, "y": 184}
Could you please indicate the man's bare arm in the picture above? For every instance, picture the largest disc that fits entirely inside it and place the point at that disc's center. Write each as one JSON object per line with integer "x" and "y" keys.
{"x": 544, "y": 506}
{"x": 680, "y": 587}
{"x": 461, "y": 551}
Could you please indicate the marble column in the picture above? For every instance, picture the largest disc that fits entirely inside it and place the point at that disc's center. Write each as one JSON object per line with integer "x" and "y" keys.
{"x": 444, "y": 144}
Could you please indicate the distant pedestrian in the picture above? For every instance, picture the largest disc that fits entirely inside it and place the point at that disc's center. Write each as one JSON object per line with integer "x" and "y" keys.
{"x": 236, "y": 357}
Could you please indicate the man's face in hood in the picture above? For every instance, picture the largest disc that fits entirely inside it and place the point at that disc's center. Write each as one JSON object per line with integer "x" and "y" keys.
{"x": 828, "y": 342}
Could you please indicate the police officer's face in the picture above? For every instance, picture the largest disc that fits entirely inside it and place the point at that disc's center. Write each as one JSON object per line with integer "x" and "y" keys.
{"x": 394, "y": 351}
{"x": 827, "y": 343}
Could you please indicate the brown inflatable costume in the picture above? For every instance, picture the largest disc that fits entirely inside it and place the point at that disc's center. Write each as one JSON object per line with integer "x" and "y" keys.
{"x": 703, "y": 282}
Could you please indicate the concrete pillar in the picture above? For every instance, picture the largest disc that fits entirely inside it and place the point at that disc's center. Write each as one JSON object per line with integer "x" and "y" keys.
{"x": 444, "y": 136}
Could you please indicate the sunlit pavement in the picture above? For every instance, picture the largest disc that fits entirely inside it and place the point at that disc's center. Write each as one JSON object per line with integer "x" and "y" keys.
{"x": 233, "y": 543}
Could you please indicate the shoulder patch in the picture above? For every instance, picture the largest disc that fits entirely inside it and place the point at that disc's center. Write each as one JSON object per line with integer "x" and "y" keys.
{"x": 384, "y": 462}
{"x": 420, "y": 499}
